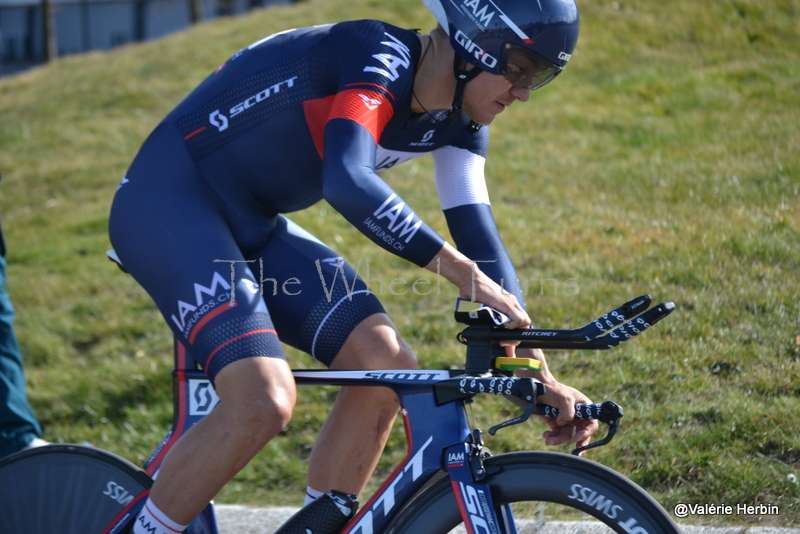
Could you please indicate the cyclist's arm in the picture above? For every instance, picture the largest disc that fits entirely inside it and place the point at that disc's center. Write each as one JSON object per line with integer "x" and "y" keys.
{"x": 373, "y": 71}
{"x": 351, "y": 186}
{"x": 474, "y": 284}
{"x": 465, "y": 201}
{"x": 474, "y": 232}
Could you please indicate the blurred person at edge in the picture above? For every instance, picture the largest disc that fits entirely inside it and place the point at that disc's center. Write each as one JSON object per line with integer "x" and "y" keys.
{"x": 19, "y": 427}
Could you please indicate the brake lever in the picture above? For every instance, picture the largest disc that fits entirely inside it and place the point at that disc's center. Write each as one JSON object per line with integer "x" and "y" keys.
{"x": 612, "y": 430}
{"x": 517, "y": 420}
{"x": 611, "y": 416}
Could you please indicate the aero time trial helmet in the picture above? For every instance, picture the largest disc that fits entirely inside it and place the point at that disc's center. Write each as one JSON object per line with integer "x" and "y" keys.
{"x": 527, "y": 41}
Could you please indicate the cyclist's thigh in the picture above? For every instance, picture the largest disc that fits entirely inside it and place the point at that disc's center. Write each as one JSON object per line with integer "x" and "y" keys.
{"x": 317, "y": 298}
{"x": 171, "y": 236}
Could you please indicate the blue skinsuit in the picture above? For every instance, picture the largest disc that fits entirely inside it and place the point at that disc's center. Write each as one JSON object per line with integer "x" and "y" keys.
{"x": 300, "y": 116}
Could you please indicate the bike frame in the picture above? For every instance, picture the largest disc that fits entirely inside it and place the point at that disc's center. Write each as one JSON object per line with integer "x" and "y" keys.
{"x": 438, "y": 434}
{"x": 434, "y": 413}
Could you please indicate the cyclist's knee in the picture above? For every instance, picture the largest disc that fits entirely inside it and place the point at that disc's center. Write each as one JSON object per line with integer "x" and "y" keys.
{"x": 405, "y": 359}
{"x": 272, "y": 408}
{"x": 259, "y": 423}
{"x": 375, "y": 343}
{"x": 258, "y": 395}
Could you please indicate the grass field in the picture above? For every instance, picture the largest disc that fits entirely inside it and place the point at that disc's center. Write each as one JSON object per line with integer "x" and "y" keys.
{"x": 665, "y": 161}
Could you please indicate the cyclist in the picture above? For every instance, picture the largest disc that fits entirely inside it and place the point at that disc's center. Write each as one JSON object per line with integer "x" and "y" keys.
{"x": 305, "y": 115}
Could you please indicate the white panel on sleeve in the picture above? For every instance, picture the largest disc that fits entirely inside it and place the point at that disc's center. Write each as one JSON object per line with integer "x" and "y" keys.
{"x": 459, "y": 177}
{"x": 386, "y": 158}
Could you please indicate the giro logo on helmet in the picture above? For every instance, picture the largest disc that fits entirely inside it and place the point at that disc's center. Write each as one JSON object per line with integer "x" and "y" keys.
{"x": 480, "y": 31}
{"x": 480, "y": 54}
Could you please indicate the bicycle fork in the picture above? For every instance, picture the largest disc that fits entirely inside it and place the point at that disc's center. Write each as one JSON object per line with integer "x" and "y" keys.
{"x": 464, "y": 463}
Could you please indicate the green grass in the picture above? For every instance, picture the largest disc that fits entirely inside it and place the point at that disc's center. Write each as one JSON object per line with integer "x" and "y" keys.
{"x": 664, "y": 161}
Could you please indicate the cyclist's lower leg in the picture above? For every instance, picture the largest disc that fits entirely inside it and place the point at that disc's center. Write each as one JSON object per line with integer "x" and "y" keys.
{"x": 256, "y": 399}
{"x": 352, "y": 438}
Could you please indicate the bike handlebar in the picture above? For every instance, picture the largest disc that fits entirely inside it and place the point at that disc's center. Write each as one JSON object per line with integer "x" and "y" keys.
{"x": 605, "y": 412}
{"x": 603, "y": 333}
{"x": 525, "y": 389}
{"x": 604, "y": 340}
{"x": 485, "y": 330}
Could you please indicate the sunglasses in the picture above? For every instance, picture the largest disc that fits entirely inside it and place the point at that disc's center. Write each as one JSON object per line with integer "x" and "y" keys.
{"x": 523, "y": 69}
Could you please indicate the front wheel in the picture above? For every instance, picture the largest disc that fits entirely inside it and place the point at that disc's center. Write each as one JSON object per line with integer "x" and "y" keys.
{"x": 65, "y": 489}
{"x": 542, "y": 487}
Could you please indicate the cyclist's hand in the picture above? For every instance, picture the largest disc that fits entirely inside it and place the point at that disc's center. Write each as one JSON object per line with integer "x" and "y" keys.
{"x": 566, "y": 428}
{"x": 473, "y": 284}
{"x": 486, "y": 291}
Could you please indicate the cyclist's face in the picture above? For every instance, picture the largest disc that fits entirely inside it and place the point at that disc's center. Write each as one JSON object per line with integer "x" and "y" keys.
{"x": 487, "y": 95}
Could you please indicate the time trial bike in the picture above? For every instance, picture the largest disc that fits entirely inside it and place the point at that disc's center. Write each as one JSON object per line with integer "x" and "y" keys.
{"x": 447, "y": 478}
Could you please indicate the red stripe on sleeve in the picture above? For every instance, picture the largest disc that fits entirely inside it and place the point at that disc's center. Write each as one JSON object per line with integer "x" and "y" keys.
{"x": 317, "y": 112}
{"x": 371, "y": 109}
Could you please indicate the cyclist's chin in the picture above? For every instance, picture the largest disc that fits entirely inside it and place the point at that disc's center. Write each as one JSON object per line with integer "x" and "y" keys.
{"x": 484, "y": 119}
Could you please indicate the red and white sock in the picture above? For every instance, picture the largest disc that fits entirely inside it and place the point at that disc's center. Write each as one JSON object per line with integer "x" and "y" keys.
{"x": 151, "y": 520}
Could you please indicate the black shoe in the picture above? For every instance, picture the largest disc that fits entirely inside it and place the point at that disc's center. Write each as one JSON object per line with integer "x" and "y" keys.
{"x": 327, "y": 515}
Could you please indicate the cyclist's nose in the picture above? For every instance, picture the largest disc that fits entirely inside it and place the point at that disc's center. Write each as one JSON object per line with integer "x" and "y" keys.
{"x": 523, "y": 94}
